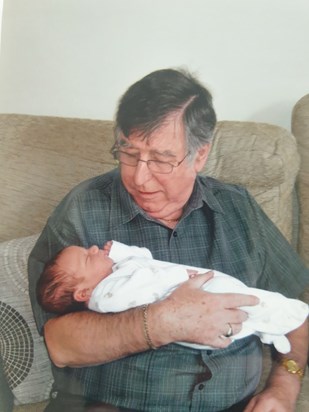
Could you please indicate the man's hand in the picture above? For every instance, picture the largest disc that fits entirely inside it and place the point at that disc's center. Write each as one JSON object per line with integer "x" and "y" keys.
{"x": 282, "y": 388}
{"x": 190, "y": 314}
{"x": 271, "y": 400}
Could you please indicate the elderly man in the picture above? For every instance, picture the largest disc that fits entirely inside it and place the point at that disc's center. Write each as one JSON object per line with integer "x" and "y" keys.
{"x": 156, "y": 199}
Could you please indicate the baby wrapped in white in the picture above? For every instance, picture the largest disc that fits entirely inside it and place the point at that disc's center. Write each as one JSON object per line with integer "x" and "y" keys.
{"x": 137, "y": 279}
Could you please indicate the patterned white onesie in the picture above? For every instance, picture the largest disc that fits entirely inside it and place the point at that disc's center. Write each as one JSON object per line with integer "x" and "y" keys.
{"x": 137, "y": 279}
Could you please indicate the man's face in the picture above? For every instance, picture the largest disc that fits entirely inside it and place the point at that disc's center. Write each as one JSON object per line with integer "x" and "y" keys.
{"x": 162, "y": 195}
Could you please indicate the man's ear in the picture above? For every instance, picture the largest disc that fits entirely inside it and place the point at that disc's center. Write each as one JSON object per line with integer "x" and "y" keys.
{"x": 202, "y": 156}
{"x": 82, "y": 295}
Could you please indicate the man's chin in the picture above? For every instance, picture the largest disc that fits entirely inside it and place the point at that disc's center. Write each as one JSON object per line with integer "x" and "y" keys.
{"x": 149, "y": 207}
{"x": 150, "y": 210}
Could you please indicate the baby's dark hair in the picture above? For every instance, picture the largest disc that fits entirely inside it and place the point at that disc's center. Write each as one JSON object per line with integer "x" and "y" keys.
{"x": 55, "y": 289}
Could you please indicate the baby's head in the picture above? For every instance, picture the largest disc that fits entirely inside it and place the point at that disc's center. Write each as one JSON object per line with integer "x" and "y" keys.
{"x": 69, "y": 278}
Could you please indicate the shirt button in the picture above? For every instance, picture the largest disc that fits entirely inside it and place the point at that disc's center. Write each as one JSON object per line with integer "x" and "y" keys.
{"x": 201, "y": 386}
{"x": 175, "y": 234}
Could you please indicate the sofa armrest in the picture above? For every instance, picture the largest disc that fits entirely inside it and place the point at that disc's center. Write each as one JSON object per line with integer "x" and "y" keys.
{"x": 6, "y": 395}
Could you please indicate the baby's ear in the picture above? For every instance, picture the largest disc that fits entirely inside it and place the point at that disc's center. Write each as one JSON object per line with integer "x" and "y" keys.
{"x": 82, "y": 295}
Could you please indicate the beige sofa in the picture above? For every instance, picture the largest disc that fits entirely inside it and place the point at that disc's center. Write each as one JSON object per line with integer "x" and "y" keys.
{"x": 43, "y": 157}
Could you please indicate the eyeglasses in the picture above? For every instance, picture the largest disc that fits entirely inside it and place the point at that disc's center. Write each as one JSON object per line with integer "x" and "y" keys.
{"x": 155, "y": 166}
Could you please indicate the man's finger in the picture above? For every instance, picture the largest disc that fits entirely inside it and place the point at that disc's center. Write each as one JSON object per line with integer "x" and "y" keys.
{"x": 239, "y": 300}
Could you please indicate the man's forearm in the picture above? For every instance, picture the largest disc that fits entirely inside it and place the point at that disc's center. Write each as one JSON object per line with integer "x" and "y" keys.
{"x": 89, "y": 338}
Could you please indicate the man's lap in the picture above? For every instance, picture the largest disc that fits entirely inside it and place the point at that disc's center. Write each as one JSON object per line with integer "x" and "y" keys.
{"x": 74, "y": 403}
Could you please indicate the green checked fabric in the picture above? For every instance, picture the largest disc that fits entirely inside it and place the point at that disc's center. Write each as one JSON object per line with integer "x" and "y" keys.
{"x": 222, "y": 228}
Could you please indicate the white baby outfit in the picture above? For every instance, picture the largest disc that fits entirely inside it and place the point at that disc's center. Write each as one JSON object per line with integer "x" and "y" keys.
{"x": 137, "y": 279}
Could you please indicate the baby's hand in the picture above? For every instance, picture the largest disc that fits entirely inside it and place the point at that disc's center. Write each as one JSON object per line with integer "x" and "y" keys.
{"x": 192, "y": 273}
{"x": 107, "y": 247}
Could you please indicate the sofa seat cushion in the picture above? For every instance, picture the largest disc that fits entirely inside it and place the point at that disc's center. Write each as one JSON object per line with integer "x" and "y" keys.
{"x": 22, "y": 350}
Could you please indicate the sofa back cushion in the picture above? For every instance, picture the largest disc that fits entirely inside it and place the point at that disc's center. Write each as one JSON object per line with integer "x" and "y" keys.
{"x": 300, "y": 129}
{"x": 43, "y": 157}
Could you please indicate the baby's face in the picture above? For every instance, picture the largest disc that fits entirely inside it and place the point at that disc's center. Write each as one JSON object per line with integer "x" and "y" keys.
{"x": 93, "y": 264}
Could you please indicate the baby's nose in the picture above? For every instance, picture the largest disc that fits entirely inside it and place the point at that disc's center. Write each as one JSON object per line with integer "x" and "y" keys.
{"x": 94, "y": 249}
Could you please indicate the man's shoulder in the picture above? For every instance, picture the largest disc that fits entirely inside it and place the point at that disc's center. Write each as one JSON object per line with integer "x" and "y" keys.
{"x": 218, "y": 187}
{"x": 226, "y": 197}
{"x": 101, "y": 185}
{"x": 97, "y": 189}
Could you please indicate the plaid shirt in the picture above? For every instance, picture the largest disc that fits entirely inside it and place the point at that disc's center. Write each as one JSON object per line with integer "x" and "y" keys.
{"x": 222, "y": 228}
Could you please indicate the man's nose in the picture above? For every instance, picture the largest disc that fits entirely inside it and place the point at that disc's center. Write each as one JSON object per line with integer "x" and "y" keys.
{"x": 142, "y": 173}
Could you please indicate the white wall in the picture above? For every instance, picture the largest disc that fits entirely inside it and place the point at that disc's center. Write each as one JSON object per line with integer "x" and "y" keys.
{"x": 1, "y": 7}
{"x": 76, "y": 57}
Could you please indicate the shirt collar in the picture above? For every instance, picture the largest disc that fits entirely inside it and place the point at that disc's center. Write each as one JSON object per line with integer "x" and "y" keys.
{"x": 202, "y": 195}
{"x": 207, "y": 193}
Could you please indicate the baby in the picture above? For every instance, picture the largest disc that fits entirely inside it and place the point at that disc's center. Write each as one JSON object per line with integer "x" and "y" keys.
{"x": 119, "y": 277}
